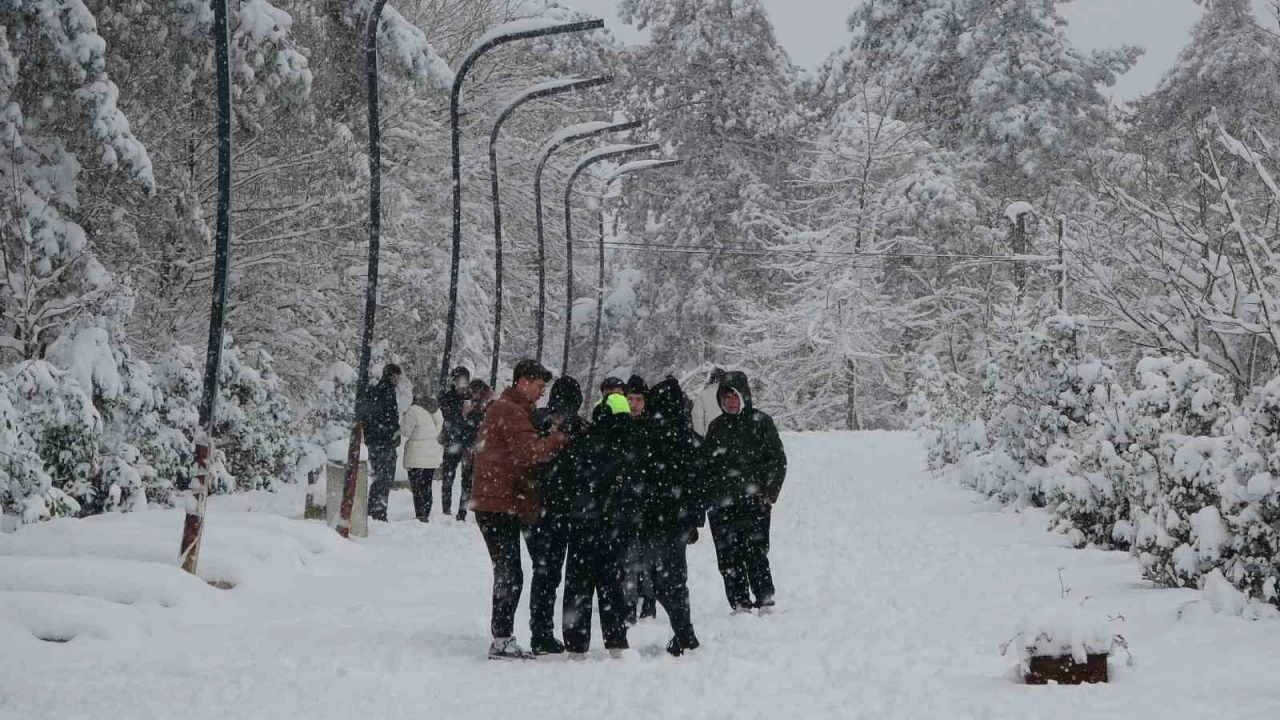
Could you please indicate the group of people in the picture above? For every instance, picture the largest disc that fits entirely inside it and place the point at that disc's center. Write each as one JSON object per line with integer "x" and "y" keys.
{"x": 609, "y": 504}
{"x": 437, "y": 435}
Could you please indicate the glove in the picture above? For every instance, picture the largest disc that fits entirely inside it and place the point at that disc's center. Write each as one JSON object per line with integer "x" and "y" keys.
{"x": 693, "y": 536}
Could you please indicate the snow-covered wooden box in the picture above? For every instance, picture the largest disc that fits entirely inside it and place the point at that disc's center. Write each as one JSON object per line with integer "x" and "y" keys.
{"x": 1064, "y": 643}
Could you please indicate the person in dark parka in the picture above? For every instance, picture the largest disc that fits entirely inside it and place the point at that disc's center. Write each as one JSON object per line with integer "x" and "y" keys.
{"x": 380, "y": 417}
{"x": 453, "y": 406}
{"x": 547, "y": 539}
{"x": 602, "y": 461}
{"x": 669, "y": 508}
{"x": 641, "y": 601}
{"x": 479, "y": 397}
{"x": 745, "y": 469}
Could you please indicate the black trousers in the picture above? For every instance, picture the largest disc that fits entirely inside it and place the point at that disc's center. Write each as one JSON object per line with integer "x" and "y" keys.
{"x": 382, "y": 464}
{"x": 448, "y": 466}
{"x": 420, "y": 486}
{"x": 548, "y": 544}
{"x": 741, "y": 535}
{"x": 502, "y": 537}
{"x": 596, "y": 564}
{"x": 664, "y": 553}
{"x": 468, "y": 472}
{"x": 639, "y": 575}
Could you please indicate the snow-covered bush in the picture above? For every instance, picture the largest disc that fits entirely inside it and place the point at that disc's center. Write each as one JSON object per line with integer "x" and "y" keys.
{"x": 939, "y": 408}
{"x": 1036, "y": 403}
{"x": 59, "y": 416}
{"x": 1183, "y": 452}
{"x": 254, "y": 426}
{"x": 26, "y": 490}
{"x": 1251, "y": 500}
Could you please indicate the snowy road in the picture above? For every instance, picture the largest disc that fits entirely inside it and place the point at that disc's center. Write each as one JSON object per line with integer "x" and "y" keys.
{"x": 895, "y": 592}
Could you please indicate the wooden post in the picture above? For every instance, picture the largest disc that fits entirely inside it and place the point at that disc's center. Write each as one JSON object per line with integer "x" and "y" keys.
{"x": 851, "y": 420}
{"x": 1019, "y": 249}
{"x": 193, "y": 525}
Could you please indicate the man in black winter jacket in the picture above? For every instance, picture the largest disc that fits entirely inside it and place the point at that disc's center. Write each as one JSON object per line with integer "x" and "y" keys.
{"x": 381, "y": 419}
{"x": 598, "y": 474}
{"x": 454, "y": 402}
{"x": 745, "y": 469}
{"x": 547, "y": 539}
{"x": 669, "y": 508}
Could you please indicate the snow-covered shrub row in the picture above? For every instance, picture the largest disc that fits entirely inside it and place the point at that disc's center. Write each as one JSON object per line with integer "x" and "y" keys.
{"x": 1170, "y": 469}
{"x": 92, "y": 428}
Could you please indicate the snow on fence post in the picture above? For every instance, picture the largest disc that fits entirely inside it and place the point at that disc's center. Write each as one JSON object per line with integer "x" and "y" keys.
{"x": 193, "y": 526}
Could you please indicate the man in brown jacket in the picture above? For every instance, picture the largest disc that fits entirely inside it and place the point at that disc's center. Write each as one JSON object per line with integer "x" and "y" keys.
{"x": 503, "y": 494}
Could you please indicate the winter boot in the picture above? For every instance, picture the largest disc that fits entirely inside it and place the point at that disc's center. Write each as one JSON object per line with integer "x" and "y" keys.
{"x": 679, "y": 645}
{"x": 617, "y": 653}
{"x": 765, "y": 605}
{"x": 577, "y": 656}
{"x": 741, "y": 610}
{"x": 649, "y": 609}
{"x": 462, "y": 516}
{"x": 508, "y": 649}
{"x": 546, "y": 646}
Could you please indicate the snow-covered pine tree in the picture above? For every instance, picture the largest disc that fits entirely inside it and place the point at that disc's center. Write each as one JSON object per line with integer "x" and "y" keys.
{"x": 719, "y": 92}
{"x": 54, "y": 92}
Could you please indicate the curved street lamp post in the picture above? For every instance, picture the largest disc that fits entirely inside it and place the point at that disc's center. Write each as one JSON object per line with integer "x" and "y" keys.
{"x": 599, "y": 155}
{"x": 572, "y": 133}
{"x": 627, "y": 169}
{"x": 547, "y": 89}
{"x": 506, "y": 33}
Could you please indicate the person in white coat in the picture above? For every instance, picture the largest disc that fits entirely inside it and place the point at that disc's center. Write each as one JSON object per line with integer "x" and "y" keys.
{"x": 706, "y": 407}
{"x": 420, "y": 426}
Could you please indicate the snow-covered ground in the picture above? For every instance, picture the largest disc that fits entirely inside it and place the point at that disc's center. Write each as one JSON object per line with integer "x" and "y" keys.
{"x": 896, "y": 591}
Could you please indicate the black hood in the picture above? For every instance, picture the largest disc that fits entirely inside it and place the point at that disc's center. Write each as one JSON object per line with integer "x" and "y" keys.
{"x": 735, "y": 381}
{"x": 665, "y": 401}
{"x": 566, "y": 396}
{"x": 636, "y": 385}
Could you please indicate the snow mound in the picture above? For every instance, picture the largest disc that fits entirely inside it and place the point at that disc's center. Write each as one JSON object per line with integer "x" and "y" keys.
{"x": 1064, "y": 628}
{"x": 27, "y": 618}
{"x": 125, "y": 582}
{"x": 1222, "y": 596}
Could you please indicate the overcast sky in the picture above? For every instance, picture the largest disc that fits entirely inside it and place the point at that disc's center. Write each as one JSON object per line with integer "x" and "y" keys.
{"x": 811, "y": 29}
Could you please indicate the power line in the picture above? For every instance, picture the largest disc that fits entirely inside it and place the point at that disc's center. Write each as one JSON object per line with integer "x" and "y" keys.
{"x": 705, "y": 250}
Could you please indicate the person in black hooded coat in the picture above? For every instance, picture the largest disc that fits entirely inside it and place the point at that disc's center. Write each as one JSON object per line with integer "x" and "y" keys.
{"x": 668, "y": 507}
{"x": 547, "y": 539}
{"x": 598, "y": 467}
{"x": 745, "y": 469}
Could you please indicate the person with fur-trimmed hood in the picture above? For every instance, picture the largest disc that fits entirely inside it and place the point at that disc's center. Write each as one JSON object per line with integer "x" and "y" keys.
{"x": 669, "y": 506}
{"x": 745, "y": 469}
